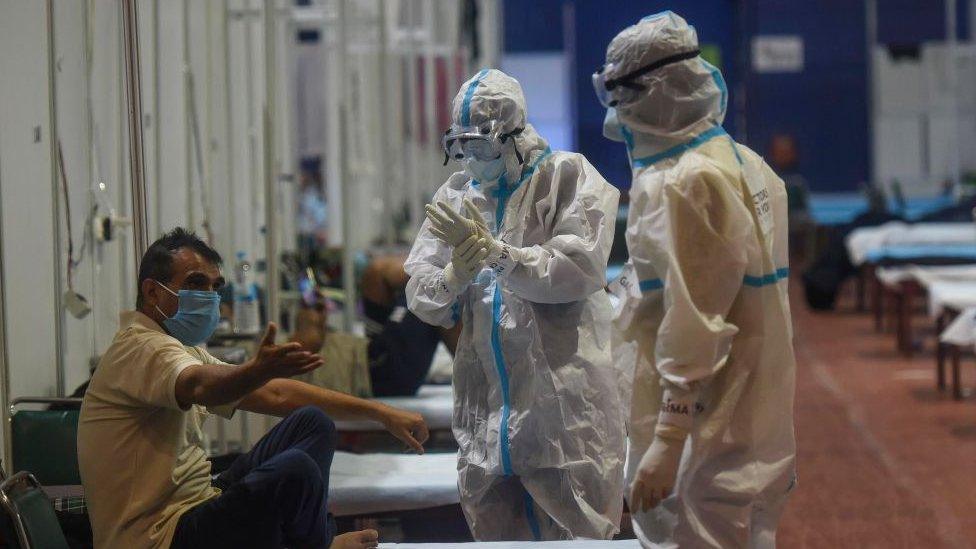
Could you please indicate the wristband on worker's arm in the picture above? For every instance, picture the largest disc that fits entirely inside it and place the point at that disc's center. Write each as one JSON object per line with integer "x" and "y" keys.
{"x": 448, "y": 284}
{"x": 677, "y": 414}
{"x": 502, "y": 258}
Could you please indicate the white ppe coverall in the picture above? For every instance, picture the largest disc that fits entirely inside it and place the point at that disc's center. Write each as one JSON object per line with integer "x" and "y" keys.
{"x": 537, "y": 414}
{"x": 703, "y": 331}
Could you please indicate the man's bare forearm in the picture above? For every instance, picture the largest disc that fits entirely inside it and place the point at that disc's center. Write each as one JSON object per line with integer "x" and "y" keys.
{"x": 216, "y": 384}
{"x": 279, "y": 397}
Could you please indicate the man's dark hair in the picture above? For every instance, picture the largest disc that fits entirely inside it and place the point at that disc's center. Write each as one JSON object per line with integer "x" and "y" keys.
{"x": 157, "y": 263}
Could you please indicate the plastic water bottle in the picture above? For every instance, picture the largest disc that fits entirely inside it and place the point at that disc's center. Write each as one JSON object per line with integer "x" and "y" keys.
{"x": 246, "y": 319}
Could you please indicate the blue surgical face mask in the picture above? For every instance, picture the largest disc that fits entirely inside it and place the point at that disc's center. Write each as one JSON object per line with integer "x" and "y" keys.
{"x": 485, "y": 171}
{"x": 612, "y": 128}
{"x": 195, "y": 319}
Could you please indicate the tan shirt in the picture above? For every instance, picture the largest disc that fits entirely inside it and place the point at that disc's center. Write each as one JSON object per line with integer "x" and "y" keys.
{"x": 141, "y": 457}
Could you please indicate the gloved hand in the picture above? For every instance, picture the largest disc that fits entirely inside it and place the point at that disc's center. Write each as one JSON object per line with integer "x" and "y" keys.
{"x": 501, "y": 257}
{"x": 448, "y": 225}
{"x": 656, "y": 473}
{"x": 467, "y": 259}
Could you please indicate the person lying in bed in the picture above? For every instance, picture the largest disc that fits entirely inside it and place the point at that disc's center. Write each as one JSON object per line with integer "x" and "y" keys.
{"x": 146, "y": 476}
{"x": 401, "y": 346}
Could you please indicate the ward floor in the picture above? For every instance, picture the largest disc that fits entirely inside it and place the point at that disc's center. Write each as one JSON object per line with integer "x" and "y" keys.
{"x": 884, "y": 459}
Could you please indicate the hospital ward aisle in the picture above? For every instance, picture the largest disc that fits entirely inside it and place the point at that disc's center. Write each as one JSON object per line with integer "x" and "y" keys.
{"x": 884, "y": 460}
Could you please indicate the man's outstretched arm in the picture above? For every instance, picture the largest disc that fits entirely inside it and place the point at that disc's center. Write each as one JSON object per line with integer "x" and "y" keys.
{"x": 279, "y": 397}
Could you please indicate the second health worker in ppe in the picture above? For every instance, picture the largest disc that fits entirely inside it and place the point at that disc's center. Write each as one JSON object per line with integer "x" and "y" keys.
{"x": 516, "y": 249}
{"x": 704, "y": 327}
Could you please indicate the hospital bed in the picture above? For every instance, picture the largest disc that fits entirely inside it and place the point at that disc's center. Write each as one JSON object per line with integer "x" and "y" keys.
{"x": 900, "y": 286}
{"x": 959, "y": 334}
{"x": 887, "y": 254}
{"x": 891, "y": 240}
{"x": 405, "y": 496}
{"x": 44, "y": 442}
{"x": 434, "y": 402}
{"x": 897, "y": 244}
{"x": 381, "y": 483}
{"x": 903, "y": 286}
{"x": 841, "y": 208}
{"x": 952, "y": 304}
{"x": 418, "y": 491}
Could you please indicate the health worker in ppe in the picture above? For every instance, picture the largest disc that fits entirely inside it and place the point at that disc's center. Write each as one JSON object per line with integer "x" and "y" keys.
{"x": 702, "y": 329}
{"x": 516, "y": 247}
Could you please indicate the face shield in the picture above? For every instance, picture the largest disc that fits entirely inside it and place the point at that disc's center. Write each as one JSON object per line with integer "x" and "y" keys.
{"x": 483, "y": 144}
{"x": 470, "y": 142}
{"x": 611, "y": 91}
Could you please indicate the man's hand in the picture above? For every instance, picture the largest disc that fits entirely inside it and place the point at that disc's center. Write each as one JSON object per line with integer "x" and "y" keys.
{"x": 409, "y": 427}
{"x": 288, "y": 360}
{"x": 656, "y": 473}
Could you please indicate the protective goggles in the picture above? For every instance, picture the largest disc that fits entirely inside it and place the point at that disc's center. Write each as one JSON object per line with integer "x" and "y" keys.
{"x": 467, "y": 142}
{"x": 604, "y": 86}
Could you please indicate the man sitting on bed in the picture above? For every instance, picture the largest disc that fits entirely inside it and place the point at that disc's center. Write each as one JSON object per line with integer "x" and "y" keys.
{"x": 146, "y": 477}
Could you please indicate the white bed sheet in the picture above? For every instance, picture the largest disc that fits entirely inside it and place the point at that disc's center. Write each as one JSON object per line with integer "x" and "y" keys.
{"x": 962, "y": 331}
{"x": 378, "y": 483}
{"x": 958, "y": 295}
{"x": 896, "y": 233}
{"x": 926, "y": 275}
{"x": 434, "y": 402}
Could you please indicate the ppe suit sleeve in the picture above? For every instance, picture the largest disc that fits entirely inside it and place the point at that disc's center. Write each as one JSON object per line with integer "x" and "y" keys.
{"x": 573, "y": 263}
{"x": 430, "y": 296}
{"x": 708, "y": 230}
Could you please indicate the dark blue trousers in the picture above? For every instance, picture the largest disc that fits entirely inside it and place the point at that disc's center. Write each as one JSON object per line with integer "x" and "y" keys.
{"x": 273, "y": 496}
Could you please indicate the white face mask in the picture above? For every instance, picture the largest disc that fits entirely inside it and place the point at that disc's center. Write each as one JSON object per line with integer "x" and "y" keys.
{"x": 485, "y": 171}
{"x": 612, "y": 128}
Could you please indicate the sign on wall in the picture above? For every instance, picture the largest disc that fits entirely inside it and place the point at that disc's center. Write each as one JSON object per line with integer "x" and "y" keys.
{"x": 781, "y": 53}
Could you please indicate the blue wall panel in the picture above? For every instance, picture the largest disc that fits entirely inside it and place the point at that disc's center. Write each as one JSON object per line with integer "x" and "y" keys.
{"x": 914, "y": 21}
{"x": 825, "y": 107}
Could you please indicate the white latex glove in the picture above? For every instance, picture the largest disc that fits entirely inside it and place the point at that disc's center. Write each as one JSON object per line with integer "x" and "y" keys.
{"x": 449, "y": 226}
{"x": 501, "y": 257}
{"x": 467, "y": 259}
{"x": 656, "y": 473}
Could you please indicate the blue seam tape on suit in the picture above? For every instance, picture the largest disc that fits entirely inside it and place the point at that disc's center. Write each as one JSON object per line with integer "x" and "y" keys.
{"x": 652, "y": 284}
{"x": 719, "y": 82}
{"x": 504, "y": 192}
{"x": 697, "y": 141}
{"x": 496, "y": 348}
{"x": 748, "y": 280}
{"x": 466, "y": 103}
{"x": 766, "y": 279}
